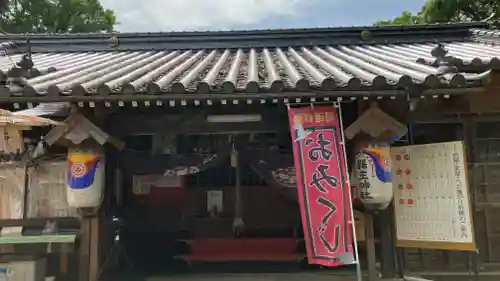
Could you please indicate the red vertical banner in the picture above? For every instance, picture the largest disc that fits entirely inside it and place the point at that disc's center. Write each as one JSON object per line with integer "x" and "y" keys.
{"x": 322, "y": 186}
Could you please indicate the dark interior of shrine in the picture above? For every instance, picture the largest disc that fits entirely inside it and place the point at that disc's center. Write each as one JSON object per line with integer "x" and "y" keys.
{"x": 173, "y": 230}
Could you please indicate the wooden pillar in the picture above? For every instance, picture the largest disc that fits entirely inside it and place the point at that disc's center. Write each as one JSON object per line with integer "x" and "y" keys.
{"x": 370, "y": 248}
{"x": 469, "y": 137}
{"x": 84, "y": 251}
{"x": 89, "y": 259}
{"x": 94, "y": 263}
{"x": 387, "y": 247}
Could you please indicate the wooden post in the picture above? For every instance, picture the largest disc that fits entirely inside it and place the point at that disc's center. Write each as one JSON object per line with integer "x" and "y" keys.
{"x": 63, "y": 263}
{"x": 84, "y": 253}
{"x": 387, "y": 249}
{"x": 94, "y": 249}
{"x": 370, "y": 248}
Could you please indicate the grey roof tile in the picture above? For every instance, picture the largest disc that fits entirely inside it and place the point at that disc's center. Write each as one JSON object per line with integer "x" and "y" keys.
{"x": 485, "y": 32}
{"x": 488, "y": 36}
{"x": 254, "y": 70}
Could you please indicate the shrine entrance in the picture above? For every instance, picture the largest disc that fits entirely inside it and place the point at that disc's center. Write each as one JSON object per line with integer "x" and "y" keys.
{"x": 223, "y": 214}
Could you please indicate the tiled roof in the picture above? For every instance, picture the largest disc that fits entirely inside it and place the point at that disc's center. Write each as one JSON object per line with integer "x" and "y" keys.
{"x": 274, "y": 69}
{"x": 486, "y": 35}
{"x": 485, "y": 32}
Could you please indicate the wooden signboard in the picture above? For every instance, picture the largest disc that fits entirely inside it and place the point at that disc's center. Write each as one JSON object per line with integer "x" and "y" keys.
{"x": 431, "y": 197}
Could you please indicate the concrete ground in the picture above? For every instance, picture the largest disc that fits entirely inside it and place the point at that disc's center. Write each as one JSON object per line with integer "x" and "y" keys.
{"x": 463, "y": 278}
{"x": 298, "y": 277}
{"x": 256, "y": 277}
{"x": 337, "y": 275}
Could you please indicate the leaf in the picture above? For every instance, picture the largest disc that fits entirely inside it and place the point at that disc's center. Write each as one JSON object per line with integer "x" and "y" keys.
{"x": 4, "y": 6}
{"x": 441, "y": 11}
{"x": 53, "y": 16}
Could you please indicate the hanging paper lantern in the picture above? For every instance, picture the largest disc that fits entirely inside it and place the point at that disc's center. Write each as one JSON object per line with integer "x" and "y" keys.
{"x": 85, "y": 179}
{"x": 373, "y": 177}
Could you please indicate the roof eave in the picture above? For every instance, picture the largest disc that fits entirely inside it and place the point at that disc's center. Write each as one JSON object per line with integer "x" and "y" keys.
{"x": 337, "y": 94}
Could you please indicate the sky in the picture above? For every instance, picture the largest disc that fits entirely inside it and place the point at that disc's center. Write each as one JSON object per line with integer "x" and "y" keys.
{"x": 189, "y": 15}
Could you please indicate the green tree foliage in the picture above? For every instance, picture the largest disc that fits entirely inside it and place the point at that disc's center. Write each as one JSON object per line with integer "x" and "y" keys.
{"x": 4, "y": 5}
{"x": 439, "y": 11}
{"x": 55, "y": 16}
{"x": 405, "y": 18}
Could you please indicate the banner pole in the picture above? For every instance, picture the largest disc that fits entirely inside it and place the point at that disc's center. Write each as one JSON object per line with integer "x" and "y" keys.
{"x": 353, "y": 223}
